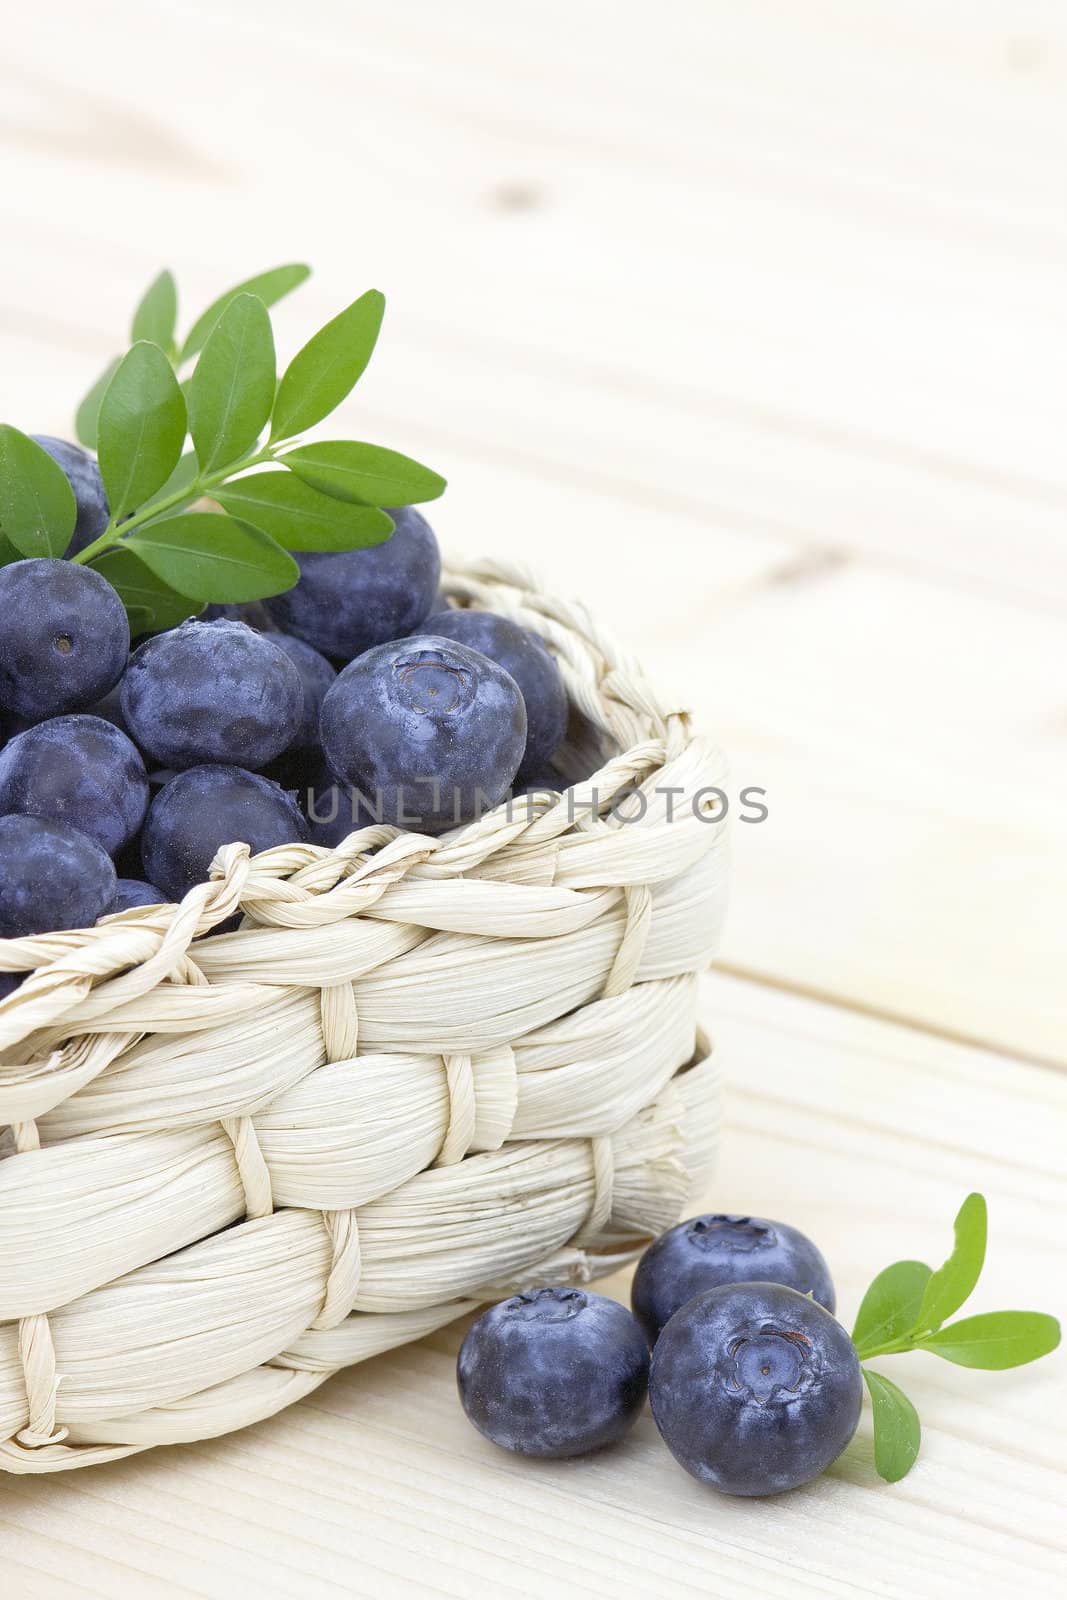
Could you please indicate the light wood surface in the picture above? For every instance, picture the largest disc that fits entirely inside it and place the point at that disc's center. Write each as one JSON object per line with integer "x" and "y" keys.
{"x": 747, "y": 324}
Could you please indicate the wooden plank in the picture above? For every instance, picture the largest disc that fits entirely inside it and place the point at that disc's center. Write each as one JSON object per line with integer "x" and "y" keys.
{"x": 863, "y": 1133}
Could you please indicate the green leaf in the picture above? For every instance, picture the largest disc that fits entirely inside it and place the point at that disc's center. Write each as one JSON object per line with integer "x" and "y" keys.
{"x": 995, "y": 1340}
{"x": 8, "y": 553}
{"x": 181, "y": 479}
{"x": 328, "y": 367}
{"x": 208, "y": 556}
{"x": 366, "y": 474}
{"x": 142, "y": 428}
{"x": 87, "y": 414}
{"x": 232, "y": 390}
{"x": 37, "y": 507}
{"x": 897, "y": 1434}
{"x": 301, "y": 518}
{"x": 890, "y": 1306}
{"x": 269, "y": 286}
{"x": 140, "y": 590}
{"x": 140, "y": 620}
{"x": 951, "y": 1284}
{"x": 157, "y": 314}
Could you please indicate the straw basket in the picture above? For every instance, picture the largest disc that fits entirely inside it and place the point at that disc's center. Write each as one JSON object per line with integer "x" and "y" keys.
{"x": 421, "y": 1073}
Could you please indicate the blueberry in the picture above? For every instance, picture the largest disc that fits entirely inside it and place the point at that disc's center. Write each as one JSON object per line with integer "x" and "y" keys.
{"x": 429, "y": 732}
{"x": 346, "y": 601}
{"x": 212, "y": 692}
{"x": 9, "y": 982}
{"x": 110, "y": 708}
{"x": 755, "y": 1388}
{"x": 64, "y": 639}
{"x": 334, "y": 811}
{"x": 553, "y": 1372}
{"x": 206, "y": 807}
{"x": 78, "y": 770}
{"x": 526, "y": 658}
{"x": 51, "y": 877}
{"x": 135, "y": 892}
{"x": 316, "y": 675}
{"x": 83, "y": 475}
{"x": 711, "y": 1250}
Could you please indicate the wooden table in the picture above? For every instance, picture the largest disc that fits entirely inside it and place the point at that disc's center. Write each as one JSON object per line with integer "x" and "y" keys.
{"x": 746, "y": 323}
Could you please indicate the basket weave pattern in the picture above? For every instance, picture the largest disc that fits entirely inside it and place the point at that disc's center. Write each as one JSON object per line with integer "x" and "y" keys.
{"x": 422, "y": 1073}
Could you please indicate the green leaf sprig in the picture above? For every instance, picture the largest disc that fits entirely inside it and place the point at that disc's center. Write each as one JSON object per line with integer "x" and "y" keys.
{"x": 907, "y": 1308}
{"x": 226, "y": 431}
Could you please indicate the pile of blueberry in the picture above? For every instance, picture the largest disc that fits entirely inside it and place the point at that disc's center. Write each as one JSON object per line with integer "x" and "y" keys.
{"x": 754, "y": 1384}
{"x": 355, "y": 697}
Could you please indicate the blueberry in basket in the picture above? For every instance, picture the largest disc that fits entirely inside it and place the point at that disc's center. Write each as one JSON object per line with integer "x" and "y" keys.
{"x": 212, "y": 692}
{"x": 347, "y": 601}
{"x": 79, "y": 770}
{"x": 64, "y": 640}
{"x": 553, "y": 1372}
{"x": 429, "y": 732}
{"x": 523, "y": 655}
{"x": 202, "y": 809}
{"x": 51, "y": 877}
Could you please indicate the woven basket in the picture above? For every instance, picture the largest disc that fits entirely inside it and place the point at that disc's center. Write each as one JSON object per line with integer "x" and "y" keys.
{"x": 421, "y": 1074}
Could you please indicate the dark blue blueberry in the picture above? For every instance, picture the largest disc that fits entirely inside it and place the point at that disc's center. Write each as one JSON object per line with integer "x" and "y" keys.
{"x": 316, "y": 675}
{"x": 334, "y": 811}
{"x": 83, "y": 475}
{"x": 430, "y": 733}
{"x": 212, "y": 692}
{"x": 80, "y": 771}
{"x": 708, "y": 1251}
{"x": 135, "y": 892}
{"x": 755, "y": 1388}
{"x": 64, "y": 637}
{"x": 110, "y": 708}
{"x": 553, "y": 1372}
{"x": 525, "y": 657}
{"x": 205, "y": 808}
{"x": 346, "y": 601}
{"x": 51, "y": 877}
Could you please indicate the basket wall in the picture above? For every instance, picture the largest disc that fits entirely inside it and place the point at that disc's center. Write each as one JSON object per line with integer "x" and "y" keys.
{"x": 421, "y": 1074}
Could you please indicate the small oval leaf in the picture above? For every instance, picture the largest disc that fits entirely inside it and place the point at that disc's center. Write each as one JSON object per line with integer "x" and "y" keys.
{"x": 897, "y": 1433}
{"x": 157, "y": 314}
{"x": 86, "y": 418}
{"x": 232, "y": 389}
{"x": 366, "y": 474}
{"x": 953, "y": 1282}
{"x": 328, "y": 367}
{"x": 208, "y": 556}
{"x": 890, "y": 1306}
{"x": 995, "y": 1340}
{"x": 301, "y": 518}
{"x": 140, "y": 590}
{"x": 270, "y": 287}
{"x": 141, "y": 428}
{"x": 37, "y": 506}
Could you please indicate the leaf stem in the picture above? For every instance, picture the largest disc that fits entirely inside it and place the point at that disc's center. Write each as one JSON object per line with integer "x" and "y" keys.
{"x": 115, "y": 534}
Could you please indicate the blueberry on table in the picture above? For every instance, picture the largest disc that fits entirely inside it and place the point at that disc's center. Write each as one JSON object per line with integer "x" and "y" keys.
{"x": 429, "y": 732}
{"x": 755, "y": 1388}
{"x": 83, "y": 475}
{"x": 212, "y": 692}
{"x": 131, "y": 892}
{"x": 708, "y": 1251}
{"x": 64, "y": 637}
{"x": 346, "y": 601}
{"x": 316, "y": 675}
{"x": 51, "y": 877}
{"x": 78, "y": 770}
{"x": 527, "y": 659}
{"x": 205, "y": 808}
{"x": 553, "y": 1372}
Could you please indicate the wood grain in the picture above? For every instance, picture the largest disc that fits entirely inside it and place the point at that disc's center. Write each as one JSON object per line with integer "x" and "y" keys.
{"x": 746, "y": 323}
